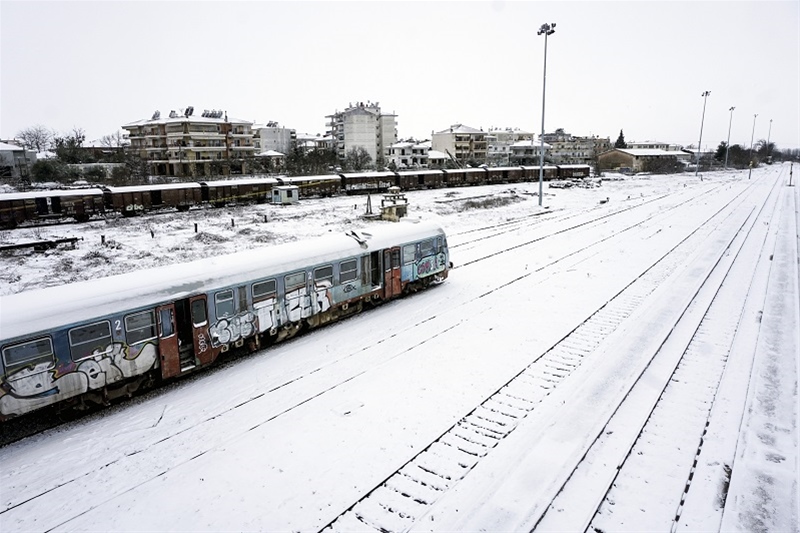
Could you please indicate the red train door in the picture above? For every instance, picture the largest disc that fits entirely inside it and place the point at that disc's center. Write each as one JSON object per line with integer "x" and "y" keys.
{"x": 168, "y": 341}
{"x": 391, "y": 276}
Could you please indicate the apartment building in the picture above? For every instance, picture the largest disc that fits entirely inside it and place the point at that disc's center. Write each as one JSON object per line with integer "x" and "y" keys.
{"x": 186, "y": 145}
{"x": 273, "y": 137}
{"x": 362, "y": 125}
{"x": 499, "y": 142}
{"x": 566, "y": 148}
{"x": 462, "y": 143}
{"x": 528, "y": 152}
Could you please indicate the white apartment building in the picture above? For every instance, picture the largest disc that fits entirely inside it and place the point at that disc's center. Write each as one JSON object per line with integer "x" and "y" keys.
{"x": 499, "y": 142}
{"x": 363, "y": 125}
{"x": 528, "y": 152}
{"x": 462, "y": 143}
{"x": 273, "y": 137}
{"x": 566, "y": 148}
{"x": 184, "y": 144}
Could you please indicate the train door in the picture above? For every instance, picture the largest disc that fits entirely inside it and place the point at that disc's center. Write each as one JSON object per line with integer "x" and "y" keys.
{"x": 168, "y": 345}
{"x": 391, "y": 275}
{"x": 198, "y": 311}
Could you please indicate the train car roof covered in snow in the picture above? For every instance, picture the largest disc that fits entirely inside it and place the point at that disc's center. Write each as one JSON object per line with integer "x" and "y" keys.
{"x": 374, "y": 174}
{"x": 245, "y": 181}
{"x": 49, "y": 194}
{"x": 38, "y": 311}
{"x": 145, "y": 188}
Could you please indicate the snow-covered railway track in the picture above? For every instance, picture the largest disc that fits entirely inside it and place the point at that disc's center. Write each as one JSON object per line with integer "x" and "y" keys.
{"x": 404, "y": 497}
{"x": 637, "y": 476}
{"x": 213, "y": 432}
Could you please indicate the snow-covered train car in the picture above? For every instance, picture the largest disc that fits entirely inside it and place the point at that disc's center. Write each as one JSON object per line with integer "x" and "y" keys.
{"x": 100, "y": 339}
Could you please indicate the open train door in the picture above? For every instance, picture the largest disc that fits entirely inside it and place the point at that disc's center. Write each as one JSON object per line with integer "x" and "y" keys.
{"x": 168, "y": 341}
{"x": 391, "y": 275}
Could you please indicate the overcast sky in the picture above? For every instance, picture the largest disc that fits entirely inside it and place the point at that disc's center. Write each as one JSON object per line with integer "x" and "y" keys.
{"x": 639, "y": 66}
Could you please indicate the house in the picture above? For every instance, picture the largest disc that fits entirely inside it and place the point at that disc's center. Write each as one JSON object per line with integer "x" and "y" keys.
{"x": 634, "y": 159}
{"x": 362, "y": 125}
{"x": 15, "y": 162}
{"x": 410, "y": 154}
{"x": 462, "y": 143}
{"x": 184, "y": 144}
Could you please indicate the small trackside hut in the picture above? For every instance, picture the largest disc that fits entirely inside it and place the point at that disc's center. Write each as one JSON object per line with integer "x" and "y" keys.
{"x": 101, "y": 339}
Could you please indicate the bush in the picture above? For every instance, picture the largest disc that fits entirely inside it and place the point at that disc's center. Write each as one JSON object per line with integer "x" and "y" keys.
{"x": 54, "y": 170}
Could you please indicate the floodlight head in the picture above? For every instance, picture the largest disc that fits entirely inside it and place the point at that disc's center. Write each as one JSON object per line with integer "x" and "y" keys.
{"x": 732, "y": 108}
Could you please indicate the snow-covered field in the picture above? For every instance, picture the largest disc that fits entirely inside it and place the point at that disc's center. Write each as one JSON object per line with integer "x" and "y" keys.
{"x": 624, "y": 359}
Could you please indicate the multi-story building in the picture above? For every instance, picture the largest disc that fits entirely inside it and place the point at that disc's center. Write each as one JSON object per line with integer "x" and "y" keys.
{"x": 272, "y": 136}
{"x": 184, "y": 144}
{"x": 409, "y": 154}
{"x": 462, "y": 143}
{"x": 499, "y": 143}
{"x": 527, "y": 152}
{"x": 363, "y": 125}
{"x": 569, "y": 149}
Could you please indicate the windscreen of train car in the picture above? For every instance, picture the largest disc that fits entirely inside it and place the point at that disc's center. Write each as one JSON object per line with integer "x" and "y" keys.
{"x": 426, "y": 248}
{"x": 87, "y": 340}
{"x": 264, "y": 289}
{"x": 140, "y": 327}
{"x": 348, "y": 270}
{"x": 29, "y": 353}
{"x": 223, "y": 301}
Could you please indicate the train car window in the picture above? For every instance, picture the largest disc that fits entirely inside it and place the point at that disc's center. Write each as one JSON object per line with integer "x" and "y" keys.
{"x": 396, "y": 258}
{"x": 199, "y": 317}
{"x": 29, "y": 353}
{"x": 348, "y": 270}
{"x": 409, "y": 251}
{"x": 167, "y": 328}
{"x": 140, "y": 327}
{"x": 223, "y": 301}
{"x": 264, "y": 289}
{"x": 294, "y": 281}
{"x": 324, "y": 274}
{"x": 426, "y": 248}
{"x": 90, "y": 340}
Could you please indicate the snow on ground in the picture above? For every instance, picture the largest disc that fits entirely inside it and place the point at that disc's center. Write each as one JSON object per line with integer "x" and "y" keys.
{"x": 233, "y": 450}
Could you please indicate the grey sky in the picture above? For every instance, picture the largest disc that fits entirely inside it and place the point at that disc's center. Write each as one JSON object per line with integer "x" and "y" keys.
{"x": 640, "y": 66}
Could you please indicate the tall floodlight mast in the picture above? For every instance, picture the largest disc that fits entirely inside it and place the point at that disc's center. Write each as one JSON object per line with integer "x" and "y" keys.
{"x": 545, "y": 29}
{"x": 728, "y": 145}
{"x": 700, "y": 142}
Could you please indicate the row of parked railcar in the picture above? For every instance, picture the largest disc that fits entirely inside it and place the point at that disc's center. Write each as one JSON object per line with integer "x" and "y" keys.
{"x": 82, "y": 204}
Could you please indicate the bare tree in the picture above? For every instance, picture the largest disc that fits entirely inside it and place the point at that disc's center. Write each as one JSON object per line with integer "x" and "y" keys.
{"x": 113, "y": 140}
{"x": 36, "y": 138}
{"x": 357, "y": 159}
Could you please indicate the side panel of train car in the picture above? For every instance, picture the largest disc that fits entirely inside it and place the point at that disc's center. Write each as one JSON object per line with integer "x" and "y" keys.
{"x": 80, "y": 204}
{"x": 367, "y": 182}
{"x": 166, "y": 322}
{"x": 132, "y": 200}
{"x": 409, "y": 180}
{"x": 220, "y": 193}
{"x": 315, "y": 186}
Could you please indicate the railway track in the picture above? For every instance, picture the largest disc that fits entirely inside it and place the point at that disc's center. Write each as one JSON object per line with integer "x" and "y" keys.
{"x": 552, "y": 369}
{"x": 640, "y": 475}
{"x": 401, "y": 500}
